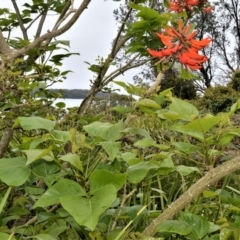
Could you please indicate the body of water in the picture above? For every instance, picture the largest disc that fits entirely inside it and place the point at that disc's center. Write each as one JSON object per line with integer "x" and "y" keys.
{"x": 69, "y": 102}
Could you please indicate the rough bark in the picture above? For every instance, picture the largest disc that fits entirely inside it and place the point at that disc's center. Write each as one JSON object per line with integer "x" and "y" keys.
{"x": 5, "y": 140}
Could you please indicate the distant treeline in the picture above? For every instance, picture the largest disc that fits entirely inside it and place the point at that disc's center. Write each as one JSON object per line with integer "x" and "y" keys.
{"x": 76, "y": 93}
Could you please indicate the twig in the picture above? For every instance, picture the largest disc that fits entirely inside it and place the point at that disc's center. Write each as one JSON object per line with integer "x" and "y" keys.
{"x": 125, "y": 198}
{"x": 24, "y": 32}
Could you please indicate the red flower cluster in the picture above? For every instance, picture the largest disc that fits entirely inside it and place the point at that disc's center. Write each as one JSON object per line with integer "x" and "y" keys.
{"x": 181, "y": 44}
{"x": 180, "y": 5}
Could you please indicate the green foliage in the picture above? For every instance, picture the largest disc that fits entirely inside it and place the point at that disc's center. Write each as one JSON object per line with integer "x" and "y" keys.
{"x": 108, "y": 176}
{"x": 184, "y": 89}
{"x": 217, "y": 99}
{"x": 112, "y": 178}
{"x": 235, "y": 81}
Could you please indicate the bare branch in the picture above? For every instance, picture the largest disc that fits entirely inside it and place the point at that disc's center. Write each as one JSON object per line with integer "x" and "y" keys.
{"x": 52, "y": 34}
{"x": 155, "y": 86}
{"x": 192, "y": 193}
{"x": 5, "y": 140}
{"x": 40, "y": 25}
{"x": 121, "y": 71}
{"x": 24, "y": 31}
{"x": 115, "y": 47}
{"x": 33, "y": 21}
{"x": 63, "y": 14}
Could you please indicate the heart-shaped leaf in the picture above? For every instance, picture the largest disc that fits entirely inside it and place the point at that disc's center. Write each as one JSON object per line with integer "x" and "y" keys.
{"x": 13, "y": 171}
{"x": 87, "y": 210}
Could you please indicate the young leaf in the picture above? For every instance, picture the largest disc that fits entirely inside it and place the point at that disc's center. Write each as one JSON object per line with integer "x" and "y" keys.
{"x": 198, "y": 127}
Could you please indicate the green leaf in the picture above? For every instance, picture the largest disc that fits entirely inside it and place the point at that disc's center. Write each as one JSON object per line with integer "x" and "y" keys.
{"x": 137, "y": 131}
{"x": 209, "y": 194}
{"x": 31, "y": 123}
{"x": 111, "y": 148}
{"x": 59, "y": 57}
{"x": 122, "y": 109}
{"x": 147, "y": 103}
{"x": 138, "y": 172}
{"x": 61, "y": 136}
{"x": 4, "y": 236}
{"x": 146, "y": 142}
{"x": 73, "y": 159}
{"x": 35, "y": 154}
{"x": 185, "y": 170}
{"x": 186, "y": 111}
{"x": 59, "y": 226}
{"x": 106, "y": 131}
{"x": 113, "y": 133}
{"x": 174, "y": 226}
{"x": 46, "y": 216}
{"x": 97, "y": 128}
{"x": 95, "y": 68}
{"x": 225, "y": 233}
{"x": 186, "y": 74}
{"x": 198, "y": 127}
{"x": 145, "y": 12}
{"x": 200, "y": 226}
{"x": 100, "y": 178}
{"x": 42, "y": 237}
{"x": 33, "y": 190}
{"x": 91, "y": 207}
{"x": 185, "y": 147}
{"x": 43, "y": 168}
{"x": 166, "y": 166}
{"x": 4, "y": 199}
{"x": 13, "y": 171}
{"x": 64, "y": 187}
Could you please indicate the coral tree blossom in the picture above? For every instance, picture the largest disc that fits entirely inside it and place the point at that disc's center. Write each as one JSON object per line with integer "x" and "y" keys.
{"x": 180, "y": 5}
{"x": 182, "y": 45}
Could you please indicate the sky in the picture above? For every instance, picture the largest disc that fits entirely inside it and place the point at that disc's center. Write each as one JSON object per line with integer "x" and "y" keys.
{"x": 91, "y": 36}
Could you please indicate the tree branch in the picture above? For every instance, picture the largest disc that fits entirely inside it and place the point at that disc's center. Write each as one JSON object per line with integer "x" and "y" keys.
{"x": 46, "y": 36}
{"x": 5, "y": 140}
{"x": 24, "y": 31}
{"x": 155, "y": 85}
{"x": 40, "y": 25}
{"x": 193, "y": 192}
{"x": 115, "y": 47}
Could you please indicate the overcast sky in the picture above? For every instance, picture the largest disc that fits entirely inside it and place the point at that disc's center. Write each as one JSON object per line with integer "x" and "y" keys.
{"x": 91, "y": 36}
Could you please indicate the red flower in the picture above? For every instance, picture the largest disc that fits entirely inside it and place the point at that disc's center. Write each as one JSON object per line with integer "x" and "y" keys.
{"x": 208, "y": 9}
{"x": 182, "y": 45}
{"x": 180, "y": 5}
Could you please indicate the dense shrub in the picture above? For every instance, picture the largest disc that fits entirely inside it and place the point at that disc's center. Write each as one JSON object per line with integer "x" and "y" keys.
{"x": 184, "y": 89}
{"x": 217, "y": 99}
{"x": 235, "y": 82}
